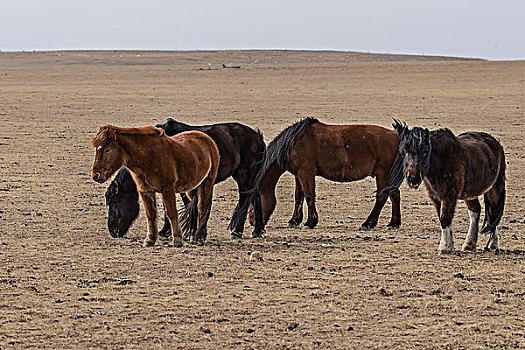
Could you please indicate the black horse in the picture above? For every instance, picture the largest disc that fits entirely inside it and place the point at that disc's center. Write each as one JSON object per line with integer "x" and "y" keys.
{"x": 463, "y": 167}
{"x": 241, "y": 149}
{"x": 122, "y": 200}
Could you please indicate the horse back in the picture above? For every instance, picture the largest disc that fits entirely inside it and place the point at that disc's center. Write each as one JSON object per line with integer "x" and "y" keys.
{"x": 344, "y": 152}
{"x": 484, "y": 162}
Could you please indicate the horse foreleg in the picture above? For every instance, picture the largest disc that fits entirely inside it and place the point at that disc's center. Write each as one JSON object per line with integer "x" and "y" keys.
{"x": 258, "y": 230}
{"x": 395, "y": 220}
{"x": 371, "y": 221}
{"x": 474, "y": 211}
{"x": 308, "y": 184}
{"x": 170, "y": 204}
{"x": 446, "y": 245}
{"x": 150, "y": 206}
{"x": 297, "y": 216}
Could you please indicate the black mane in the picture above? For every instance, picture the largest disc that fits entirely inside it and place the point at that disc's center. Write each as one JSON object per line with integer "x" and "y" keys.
{"x": 279, "y": 149}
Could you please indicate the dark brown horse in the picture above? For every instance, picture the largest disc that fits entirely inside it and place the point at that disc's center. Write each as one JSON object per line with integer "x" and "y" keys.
{"x": 463, "y": 167}
{"x": 186, "y": 162}
{"x": 342, "y": 153}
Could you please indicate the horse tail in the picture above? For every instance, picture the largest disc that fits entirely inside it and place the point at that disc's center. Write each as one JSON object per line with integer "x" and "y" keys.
{"x": 275, "y": 155}
{"x": 493, "y": 214}
{"x": 189, "y": 216}
{"x": 395, "y": 175}
{"x": 239, "y": 214}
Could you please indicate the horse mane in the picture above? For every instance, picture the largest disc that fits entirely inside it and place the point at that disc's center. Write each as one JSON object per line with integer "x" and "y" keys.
{"x": 442, "y": 132}
{"x": 280, "y": 147}
{"x": 110, "y": 132}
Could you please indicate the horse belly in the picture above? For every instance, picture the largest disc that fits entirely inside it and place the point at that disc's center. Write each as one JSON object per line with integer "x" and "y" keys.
{"x": 343, "y": 168}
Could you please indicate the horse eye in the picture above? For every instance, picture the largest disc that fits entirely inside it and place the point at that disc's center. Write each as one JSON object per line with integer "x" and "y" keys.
{"x": 107, "y": 150}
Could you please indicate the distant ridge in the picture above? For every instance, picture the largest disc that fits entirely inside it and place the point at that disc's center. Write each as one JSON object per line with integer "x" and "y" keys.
{"x": 206, "y": 57}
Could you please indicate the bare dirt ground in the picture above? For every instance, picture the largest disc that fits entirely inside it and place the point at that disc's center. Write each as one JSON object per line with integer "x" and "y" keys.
{"x": 64, "y": 283}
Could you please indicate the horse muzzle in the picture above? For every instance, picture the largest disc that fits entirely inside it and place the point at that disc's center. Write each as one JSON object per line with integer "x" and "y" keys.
{"x": 414, "y": 178}
{"x": 97, "y": 177}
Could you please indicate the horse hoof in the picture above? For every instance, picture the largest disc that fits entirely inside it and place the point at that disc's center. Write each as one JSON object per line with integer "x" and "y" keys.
{"x": 444, "y": 251}
{"x": 178, "y": 245}
{"x": 364, "y": 228}
{"x": 148, "y": 244}
{"x": 292, "y": 225}
{"x": 468, "y": 248}
{"x": 258, "y": 234}
{"x": 235, "y": 235}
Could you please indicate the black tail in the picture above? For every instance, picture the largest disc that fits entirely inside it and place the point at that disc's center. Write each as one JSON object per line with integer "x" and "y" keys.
{"x": 277, "y": 152}
{"x": 203, "y": 219}
{"x": 239, "y": 214}
{"x": 395, "y": 176}
{"x": 189, "y": 216}
{"x": 493, "y": 215}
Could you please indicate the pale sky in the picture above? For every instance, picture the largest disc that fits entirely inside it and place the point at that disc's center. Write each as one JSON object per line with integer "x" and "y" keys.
{"x": 487, "y": 29}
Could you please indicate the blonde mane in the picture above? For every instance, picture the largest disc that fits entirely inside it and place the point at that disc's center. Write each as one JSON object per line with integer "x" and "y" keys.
{"x": 110, "y": 132}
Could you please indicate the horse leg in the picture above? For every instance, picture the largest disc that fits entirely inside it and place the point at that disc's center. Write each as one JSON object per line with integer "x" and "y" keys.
{"x": 494, "y": 202}
{"x": 474, "y": 210}
{"x": 170, "y": 205}
{"x": 267, "y": 191}
{"x": 446, "y": 245}
{"x": 205, "y": 195}
{"x": 308, "y": 184}
{"x": 395, "y": 221}
{"x": 150, "y": 206}
{"x": 371, "y": 221}
{"x": 258, "y": 230}
{"x": 238, "y": 227}
{"x": 297, "y": 216}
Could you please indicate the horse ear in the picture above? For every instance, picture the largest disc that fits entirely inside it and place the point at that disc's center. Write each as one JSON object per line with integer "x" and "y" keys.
{"x": 401, "y": 128}
{"x": 112, "y": 135}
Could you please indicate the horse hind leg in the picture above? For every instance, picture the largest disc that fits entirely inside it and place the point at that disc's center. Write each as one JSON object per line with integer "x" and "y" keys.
{"x": 474, "y": 211}
{"x": 494, "y": 205}
{"x": 170, "y": 205}
{"x": 239, "y": 217}
{"x": 297, "y": 216}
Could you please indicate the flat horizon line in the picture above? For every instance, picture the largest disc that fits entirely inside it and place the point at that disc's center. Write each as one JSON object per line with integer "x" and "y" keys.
{"x": 259, "y": 49}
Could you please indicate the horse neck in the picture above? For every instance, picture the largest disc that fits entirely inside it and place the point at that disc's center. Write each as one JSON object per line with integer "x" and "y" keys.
{"x": 443, "y": 156}
{"x": 139, "y": 149}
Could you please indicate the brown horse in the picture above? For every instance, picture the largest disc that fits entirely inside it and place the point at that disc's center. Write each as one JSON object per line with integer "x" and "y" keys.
{"x": 342, "y": 153}
{"x": 186, "y": 162}
{"x": 454, "y": 167}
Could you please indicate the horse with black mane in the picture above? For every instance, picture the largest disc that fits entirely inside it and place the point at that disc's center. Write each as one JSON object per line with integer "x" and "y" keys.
{"x": 241, "y": 152}
{"x": 454, "y": 167}
{"x": 187, "y": 162}
{"x": 342, "y": 153}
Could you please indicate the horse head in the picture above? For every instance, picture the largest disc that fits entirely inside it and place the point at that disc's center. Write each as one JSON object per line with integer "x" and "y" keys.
{"x": 109, "y": 155}
{"x": 173, "y": 127}
{"x": 415, "y": 148}
{"x": 122, "y": 202}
